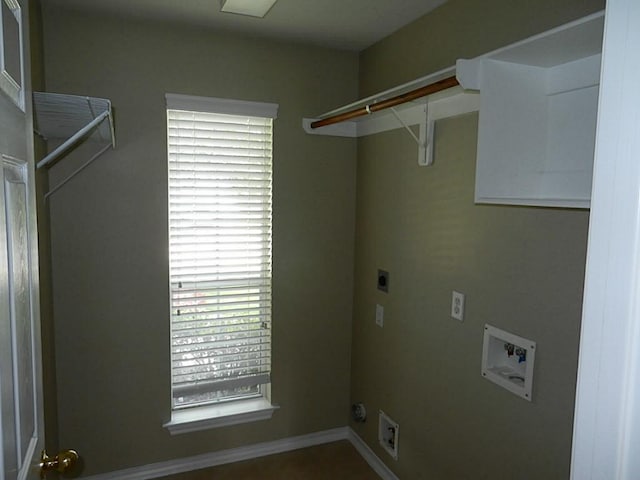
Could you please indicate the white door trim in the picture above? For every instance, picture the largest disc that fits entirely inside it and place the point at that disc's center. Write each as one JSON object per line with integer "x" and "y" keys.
{"x": 607, "y": 416}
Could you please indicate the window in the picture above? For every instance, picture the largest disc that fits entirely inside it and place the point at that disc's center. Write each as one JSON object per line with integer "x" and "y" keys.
{"x": 220, "y": 170}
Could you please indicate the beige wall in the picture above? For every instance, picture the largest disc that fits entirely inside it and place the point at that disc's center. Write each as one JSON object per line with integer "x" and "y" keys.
{"x": 109, "y": 236}
{"x": 521, "y": 270}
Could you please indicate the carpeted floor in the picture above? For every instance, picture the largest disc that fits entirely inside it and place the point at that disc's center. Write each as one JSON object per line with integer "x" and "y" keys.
{"x": 333, "y": 461}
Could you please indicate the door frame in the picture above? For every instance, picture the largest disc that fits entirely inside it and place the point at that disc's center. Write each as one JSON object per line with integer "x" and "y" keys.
{"x": 607, "y": 408}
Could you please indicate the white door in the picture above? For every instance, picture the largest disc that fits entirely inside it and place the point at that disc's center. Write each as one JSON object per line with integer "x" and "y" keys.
{"x": 21, "y": 413}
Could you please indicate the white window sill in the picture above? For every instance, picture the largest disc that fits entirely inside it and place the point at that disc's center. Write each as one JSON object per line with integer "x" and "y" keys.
{"x": 223, "y": 415}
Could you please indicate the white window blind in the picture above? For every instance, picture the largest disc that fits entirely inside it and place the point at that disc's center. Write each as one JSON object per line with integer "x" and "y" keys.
{"x": 220, "y": 170}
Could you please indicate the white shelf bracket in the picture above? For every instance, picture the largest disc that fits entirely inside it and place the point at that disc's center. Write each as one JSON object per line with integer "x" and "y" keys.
{"x": 425, "y": 140}
{"x": 425, "y": 154}
{"x": 70, "y": 119}
{"x": 72, "y": 140}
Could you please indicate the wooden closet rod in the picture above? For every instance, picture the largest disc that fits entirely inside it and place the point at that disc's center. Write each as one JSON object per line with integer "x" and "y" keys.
{"x": 432, "y": 88}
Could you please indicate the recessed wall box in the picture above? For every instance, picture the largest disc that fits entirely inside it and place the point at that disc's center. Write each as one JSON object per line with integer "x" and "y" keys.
{"x": 388, "y": 433}
{"x": 507, "y": 360}
{"x": 383, "y": 281}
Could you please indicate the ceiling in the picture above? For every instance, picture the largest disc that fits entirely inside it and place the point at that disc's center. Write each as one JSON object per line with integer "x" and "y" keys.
{"x": 343, "y": 24}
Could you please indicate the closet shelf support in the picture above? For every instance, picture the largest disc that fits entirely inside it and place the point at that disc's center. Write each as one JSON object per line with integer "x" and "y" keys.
{"x": 425, "y": 140}
{"x": 68, "y": 120}
{"x": 72, "y": 140}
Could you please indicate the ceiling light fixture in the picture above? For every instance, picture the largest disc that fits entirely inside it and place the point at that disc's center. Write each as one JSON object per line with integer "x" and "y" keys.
{"x": 252, "y": 8}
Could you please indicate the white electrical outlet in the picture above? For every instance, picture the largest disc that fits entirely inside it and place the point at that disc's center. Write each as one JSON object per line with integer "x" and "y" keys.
{"x": 379, "y": 315}
{"x": 457, "y": 305}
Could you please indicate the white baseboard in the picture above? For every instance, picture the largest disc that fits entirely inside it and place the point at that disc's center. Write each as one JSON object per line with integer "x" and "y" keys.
{"x": 372, "y": 459}
{"x": 198, "y": 462}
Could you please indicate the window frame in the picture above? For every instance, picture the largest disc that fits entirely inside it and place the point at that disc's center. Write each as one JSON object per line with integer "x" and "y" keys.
{"x": 236, "y": 411}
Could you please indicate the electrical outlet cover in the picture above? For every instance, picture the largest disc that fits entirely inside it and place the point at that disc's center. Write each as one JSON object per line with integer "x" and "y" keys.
{"x": 457, "y": 305}
{"x": 379, "y": 315}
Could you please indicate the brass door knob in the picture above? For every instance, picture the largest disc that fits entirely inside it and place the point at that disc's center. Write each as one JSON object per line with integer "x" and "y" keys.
{"x": 65, "y": 461}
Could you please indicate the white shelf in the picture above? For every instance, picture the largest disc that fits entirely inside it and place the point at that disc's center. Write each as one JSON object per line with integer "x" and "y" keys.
{"x": 386, "y": 94}
{"x": 62, "y": 117}
{"x": 424, "y": 112}
{"x": 538, "y": 111}
{"x": 538, "y": 108}
{"x": 69, "y": 119}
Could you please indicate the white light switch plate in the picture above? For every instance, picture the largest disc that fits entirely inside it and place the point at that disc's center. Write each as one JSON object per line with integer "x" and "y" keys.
{"x": 379, "y": 315}
{"x": 457, "y": 305}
